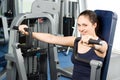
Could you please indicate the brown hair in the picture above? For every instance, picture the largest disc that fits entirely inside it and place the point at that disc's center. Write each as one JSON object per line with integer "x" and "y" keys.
{"x": 93, "y": 19}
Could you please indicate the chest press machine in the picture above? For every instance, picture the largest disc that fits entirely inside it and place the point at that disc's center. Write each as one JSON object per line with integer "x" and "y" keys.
{"x": 28, "y": 59}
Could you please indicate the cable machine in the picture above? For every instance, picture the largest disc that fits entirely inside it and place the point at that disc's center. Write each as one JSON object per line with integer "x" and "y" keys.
{"x": 19, "y": 58}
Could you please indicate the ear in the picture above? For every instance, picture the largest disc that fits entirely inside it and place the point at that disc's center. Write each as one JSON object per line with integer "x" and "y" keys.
{"x": 95, "y": 25}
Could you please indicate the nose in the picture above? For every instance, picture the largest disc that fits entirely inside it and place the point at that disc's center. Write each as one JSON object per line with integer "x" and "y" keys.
{"x": 80, "y": 28}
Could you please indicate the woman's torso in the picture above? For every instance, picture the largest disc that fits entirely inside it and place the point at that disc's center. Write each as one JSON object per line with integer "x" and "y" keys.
{"x": 81, "y": 70}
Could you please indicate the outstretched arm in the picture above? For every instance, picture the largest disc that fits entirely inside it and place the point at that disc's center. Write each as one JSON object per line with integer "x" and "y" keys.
{"x": 49, "y": 38}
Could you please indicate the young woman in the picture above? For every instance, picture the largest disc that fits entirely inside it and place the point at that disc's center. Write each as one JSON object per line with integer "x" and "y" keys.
{"x": 87, "y": 26}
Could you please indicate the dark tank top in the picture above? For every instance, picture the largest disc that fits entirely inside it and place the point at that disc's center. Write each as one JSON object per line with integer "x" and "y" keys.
{"x": 81, "y": 70}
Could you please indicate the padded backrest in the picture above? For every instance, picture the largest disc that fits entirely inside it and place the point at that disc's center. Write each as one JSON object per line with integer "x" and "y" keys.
{"x": 107, "y": 21}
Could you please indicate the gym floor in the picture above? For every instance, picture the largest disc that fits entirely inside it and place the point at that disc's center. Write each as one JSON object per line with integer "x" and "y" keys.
{"x": 65, "y": 62}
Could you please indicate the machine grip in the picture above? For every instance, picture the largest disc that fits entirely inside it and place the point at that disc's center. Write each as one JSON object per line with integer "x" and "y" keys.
{"x": 15, "y": 27}
{"x": 91, "y": 41}
{"x": 28, "y": 39}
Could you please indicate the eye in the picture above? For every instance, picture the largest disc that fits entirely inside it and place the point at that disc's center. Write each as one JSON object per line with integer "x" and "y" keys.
{"x": 84, "y": 25}
{"x": 78, "y": 25}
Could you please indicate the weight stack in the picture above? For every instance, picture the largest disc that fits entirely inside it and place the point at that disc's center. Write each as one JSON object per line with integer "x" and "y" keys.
{"x": 68, "y": 23}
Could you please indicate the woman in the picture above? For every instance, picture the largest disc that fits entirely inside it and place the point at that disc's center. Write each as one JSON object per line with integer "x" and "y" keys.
{"x": 87, "y": 26}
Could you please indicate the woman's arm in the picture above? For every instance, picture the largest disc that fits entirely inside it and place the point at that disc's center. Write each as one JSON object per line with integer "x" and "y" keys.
{"x": 49, "y": 38}
{"x": 101, "y": 50}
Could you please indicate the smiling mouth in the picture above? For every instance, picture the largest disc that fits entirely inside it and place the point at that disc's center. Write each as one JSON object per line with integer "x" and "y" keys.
{"x": 83, "y": 33}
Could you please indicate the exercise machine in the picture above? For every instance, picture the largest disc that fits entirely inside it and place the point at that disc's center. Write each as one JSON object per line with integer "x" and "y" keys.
{"x": 5, "y": 20}
{"x": 4, "y": 38}
{"x": 17, "y": 63}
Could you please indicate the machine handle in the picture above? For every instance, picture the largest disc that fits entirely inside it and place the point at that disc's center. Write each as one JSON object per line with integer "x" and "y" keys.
{"x": 28, "y": 38}
{"x": 91, "y": 41}
{"x": 15, "y": 27}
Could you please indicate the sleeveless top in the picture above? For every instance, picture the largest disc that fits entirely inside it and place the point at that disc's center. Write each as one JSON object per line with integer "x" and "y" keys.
{"x": 81, "y": 70}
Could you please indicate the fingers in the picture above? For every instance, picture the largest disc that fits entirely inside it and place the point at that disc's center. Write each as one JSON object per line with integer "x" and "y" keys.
{"x": 85, "y": 39}
{"x": 23, "y": 32}
{"x": 22, "y": 28}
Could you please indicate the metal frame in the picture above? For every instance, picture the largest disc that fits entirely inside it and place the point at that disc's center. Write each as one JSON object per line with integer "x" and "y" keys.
{"x": 15, "y": 63}
{"x": 14, "y": 54}
{"x": 5, "y": 30}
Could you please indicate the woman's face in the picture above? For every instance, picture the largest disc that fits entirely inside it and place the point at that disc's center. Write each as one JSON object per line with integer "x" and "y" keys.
{"x": 85, "y": 27}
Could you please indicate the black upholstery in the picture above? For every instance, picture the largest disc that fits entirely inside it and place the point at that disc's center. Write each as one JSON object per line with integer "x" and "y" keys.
{"x": 108, "y": 20}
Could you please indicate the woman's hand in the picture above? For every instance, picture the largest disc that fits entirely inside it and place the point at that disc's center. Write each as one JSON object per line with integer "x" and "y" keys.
{"x": 22, "y": 29}
{"x": 85, "y": 40}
